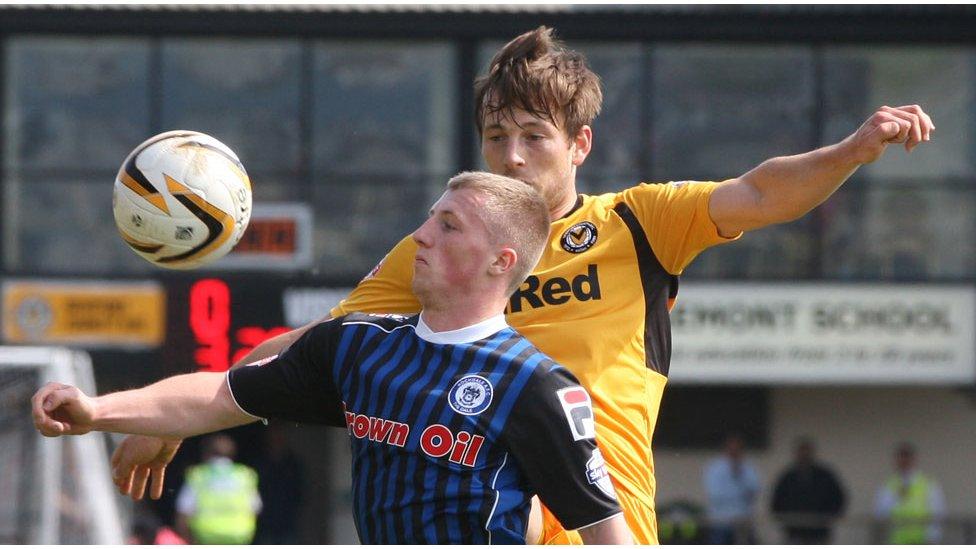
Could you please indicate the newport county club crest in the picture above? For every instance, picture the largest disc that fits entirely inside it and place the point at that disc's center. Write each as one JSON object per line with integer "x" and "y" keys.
{"x": 578, "y": 238}
{"x": 470, "y": 395}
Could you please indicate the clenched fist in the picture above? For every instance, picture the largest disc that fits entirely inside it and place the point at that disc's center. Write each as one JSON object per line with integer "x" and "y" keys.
{"x": 908, "y": 124}
{"x": 60, "y": 409}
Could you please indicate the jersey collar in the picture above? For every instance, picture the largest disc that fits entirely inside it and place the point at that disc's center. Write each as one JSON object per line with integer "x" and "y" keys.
{"x": 468, "y": 334}
{"x": 577, "y": 205}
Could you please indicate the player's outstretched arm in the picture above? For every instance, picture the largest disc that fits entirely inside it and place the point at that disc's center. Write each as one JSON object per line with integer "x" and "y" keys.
{"x": 139, "y": 458}
{"x": 785, "y": 188}
{"x": 175, "y": 407}
{"x": 613, "y": 531}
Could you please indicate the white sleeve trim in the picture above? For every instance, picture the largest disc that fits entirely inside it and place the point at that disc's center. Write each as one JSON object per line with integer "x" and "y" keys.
{"x": 238, "y": 404}
{"x": 601, "y": 520}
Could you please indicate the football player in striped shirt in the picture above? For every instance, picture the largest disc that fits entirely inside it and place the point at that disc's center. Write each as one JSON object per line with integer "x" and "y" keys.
{"x": 455, "y": 419}
{"x": 599, "y": 299}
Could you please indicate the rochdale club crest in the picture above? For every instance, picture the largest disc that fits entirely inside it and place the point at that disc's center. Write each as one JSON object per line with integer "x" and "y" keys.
{"x": 579, "y": 238}
{"x": 470, "y": 395}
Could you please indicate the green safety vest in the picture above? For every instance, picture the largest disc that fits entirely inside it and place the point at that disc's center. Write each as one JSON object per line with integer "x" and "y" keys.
{"x": 224, "y": 504}
{"x": 909, "y": 518}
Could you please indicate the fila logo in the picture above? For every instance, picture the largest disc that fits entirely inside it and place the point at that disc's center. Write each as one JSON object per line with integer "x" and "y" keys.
{"x": 576, "y": 405}
{"x": 579, "y": 238}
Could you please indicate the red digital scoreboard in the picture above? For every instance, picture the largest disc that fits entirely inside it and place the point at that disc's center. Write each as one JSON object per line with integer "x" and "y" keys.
{"x": 212, "y": 322}
{"x": 219, "y": 341}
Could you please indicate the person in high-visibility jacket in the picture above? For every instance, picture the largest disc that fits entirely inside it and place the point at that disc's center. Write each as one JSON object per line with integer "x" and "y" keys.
{"x": 910, "y": 502}
{"x": 219, "y": 501}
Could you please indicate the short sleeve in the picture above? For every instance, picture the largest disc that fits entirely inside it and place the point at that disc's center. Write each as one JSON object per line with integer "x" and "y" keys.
{"x": 388, "y": 288}
{"x": 676, "y": 220}
{"x": 296, "y": 385}
{"x": 552, "y": 436}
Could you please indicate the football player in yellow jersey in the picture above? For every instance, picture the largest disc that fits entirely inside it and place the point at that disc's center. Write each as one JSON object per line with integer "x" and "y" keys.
{"x": 599, "y": 299}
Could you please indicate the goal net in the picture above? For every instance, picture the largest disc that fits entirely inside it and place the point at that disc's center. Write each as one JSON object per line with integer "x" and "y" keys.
{"x": 54, "y": 490}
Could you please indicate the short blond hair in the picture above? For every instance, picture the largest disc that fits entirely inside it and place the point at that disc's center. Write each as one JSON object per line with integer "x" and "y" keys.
{"x": 514, "y": 213}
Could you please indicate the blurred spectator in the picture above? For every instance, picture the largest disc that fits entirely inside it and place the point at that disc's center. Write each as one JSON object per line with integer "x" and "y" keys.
{"x": 731, "y": 486}
{"x": 147, "y": 529}
{"x": 910, "y": 502}
{"x": 219, "y": 501}
{"x": 807, "y": 498}
{"x": 282, "y": 476}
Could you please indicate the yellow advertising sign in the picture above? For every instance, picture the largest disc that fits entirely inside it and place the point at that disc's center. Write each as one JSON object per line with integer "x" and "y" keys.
{"x": 88, "y": 314}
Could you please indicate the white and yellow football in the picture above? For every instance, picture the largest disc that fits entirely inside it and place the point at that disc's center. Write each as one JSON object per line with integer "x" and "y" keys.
{"x": 182, "y": 199}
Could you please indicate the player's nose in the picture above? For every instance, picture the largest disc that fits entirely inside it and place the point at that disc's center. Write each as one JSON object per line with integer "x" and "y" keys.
{"x": 422, "y": 234}
{"x": 513, "y": 155}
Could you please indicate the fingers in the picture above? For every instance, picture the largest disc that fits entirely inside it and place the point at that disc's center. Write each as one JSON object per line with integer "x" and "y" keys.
{"x": 122, "y": 469}
{"x": 914, "y": 124}
{"x": 122, "y": 481}
{"x": 925, "y": 121}
{"x": 895, "y": 126}
{"x": 139, "y": 481}
{"x": 158, "y": 477}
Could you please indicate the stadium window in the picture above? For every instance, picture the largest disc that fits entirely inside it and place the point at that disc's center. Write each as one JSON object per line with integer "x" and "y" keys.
{"x": 907, "y": 218}
{"x": 246, "y": 93}
{"x": 615, "y": 161}
{"x": 383, "y": 146}
{"x": 900, "y": 230}
{"x": 720, "y": 110}
{"x": 76, "y": 107}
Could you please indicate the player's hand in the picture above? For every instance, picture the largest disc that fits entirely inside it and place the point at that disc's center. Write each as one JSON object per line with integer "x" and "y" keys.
{"x": 908, "y": 124}
{"x": 60, "y": 409}
{"x": 139, "y": 458}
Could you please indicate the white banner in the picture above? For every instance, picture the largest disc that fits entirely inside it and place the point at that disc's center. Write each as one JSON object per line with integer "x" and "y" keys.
{"x": 304, "y": 305}
{"x": 824, "y": 333}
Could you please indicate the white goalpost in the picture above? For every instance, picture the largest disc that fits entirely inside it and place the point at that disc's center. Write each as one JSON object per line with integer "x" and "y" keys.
{"x": 54, "y": 490}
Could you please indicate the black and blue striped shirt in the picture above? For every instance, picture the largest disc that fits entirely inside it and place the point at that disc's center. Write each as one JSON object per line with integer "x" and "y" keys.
{"x": 451, "y": 432}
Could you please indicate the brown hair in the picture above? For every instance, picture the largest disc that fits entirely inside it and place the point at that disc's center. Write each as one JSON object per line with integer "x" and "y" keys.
{"x": 537, "y": 73}
{"x": 515, "y": 214}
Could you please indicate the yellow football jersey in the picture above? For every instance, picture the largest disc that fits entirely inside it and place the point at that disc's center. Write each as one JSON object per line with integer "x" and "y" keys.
{"x": 598, "y": 303}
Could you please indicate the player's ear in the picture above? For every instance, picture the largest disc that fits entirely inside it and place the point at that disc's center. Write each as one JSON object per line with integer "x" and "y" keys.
{"x": 504, "y": 261}
{"x": 583, "y": 141}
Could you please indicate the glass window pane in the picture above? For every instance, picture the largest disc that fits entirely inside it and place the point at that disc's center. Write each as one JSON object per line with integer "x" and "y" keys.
{"x": 358, "y": 219}
{"x": 245, "y": 93}
{"x": 65, "y": 226}
{"x": 942, "y": 80}
{"x": 75, "y": 103}
{"x": 779, "y": 251}
{"x": 384, "y": 146}
{"x": 614, "y": 162}
{"x": 718, "y": 111}
{"x": 906, "y": 231}
{"x": 384, "y": 108}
